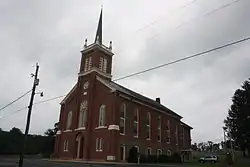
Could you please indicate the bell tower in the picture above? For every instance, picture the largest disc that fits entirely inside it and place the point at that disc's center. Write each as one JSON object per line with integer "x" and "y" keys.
{"x": 96, "y": 57}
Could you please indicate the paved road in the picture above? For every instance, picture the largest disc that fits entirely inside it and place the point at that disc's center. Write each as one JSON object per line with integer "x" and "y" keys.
{"x": 11, "y": 162}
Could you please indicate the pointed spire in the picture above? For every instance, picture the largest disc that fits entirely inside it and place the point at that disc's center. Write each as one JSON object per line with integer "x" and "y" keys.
{"x": 98, "y": 37}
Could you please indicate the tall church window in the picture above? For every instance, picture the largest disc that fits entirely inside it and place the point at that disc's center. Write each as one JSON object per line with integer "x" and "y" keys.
{"x": 148, "y": 126}
{"x": 103, "y": 64}
{"x": 176, "y": 135}
{"x": 83, "y": 114}
{"x": 168, "y": 131}
{"x": 90, "y": 63}
{"x": 136, "y": 122}
{"x": 102, "y": 115}
{"x": 86, "y": 64}
{"x": 159, "y": 128}
{"x": 69, "y": 120}
{"x": 122, "y": 118}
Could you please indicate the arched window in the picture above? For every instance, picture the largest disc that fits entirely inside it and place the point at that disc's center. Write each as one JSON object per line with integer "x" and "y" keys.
{"x": 148, "y": 126}
{"x": 136, "y": 123}
{"x": 99, "y": 144}
{"x": 159, "y": 152}
{"x": 122, "y": 118}
{"x": 169, "y": 153}
{"x": 65, "y": 145}
{"x": 102, "y": 115}
{"x": 69, "y": 120}
{"x": 83, "y": 114}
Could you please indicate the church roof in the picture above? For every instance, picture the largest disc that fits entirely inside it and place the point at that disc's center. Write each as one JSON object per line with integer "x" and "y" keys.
{"x": 186, "y": 125}
{"x": 122, "y": 89}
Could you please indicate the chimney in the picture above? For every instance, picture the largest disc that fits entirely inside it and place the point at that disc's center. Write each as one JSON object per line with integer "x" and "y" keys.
{"x": 158, "y": 100}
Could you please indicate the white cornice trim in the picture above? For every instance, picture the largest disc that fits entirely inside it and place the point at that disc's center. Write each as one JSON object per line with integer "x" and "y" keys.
{"x": 104, "y": 83}
{"x": 103, "y": 48}
{"x": 114, "y": 127}
{"x": 81, "y": 128}
{"x": 67, "y": 96}
{"x": 101, "y": 127}
{"x": 94, "y": 69}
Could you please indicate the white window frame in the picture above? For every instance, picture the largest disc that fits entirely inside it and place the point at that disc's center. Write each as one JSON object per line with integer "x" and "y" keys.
{"x": 150, "y": 152}
{"x": 124, "y": 152}
{"x": 101, "y": 63}
{"x": 86, "y": 64}
{"x": 69, "y": 120}
{"x": 90, "y": 63}
{"x": 105, "y": 62}
{"x": 138, "y": 148}
{"x": 99, "y": 144}
{"x": 65, "y": 145}
{"x": 136, "y": 122}
{"x": 123, "y": 107}
{"x": 159, "y": 128}
{"x": 148, "y": 126}
{"x": 159, "y": 152}
{"x": 101, "y": 122}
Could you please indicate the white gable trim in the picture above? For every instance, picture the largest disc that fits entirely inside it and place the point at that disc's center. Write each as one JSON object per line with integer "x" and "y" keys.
{"x": 104, "y": 83}
{"x": 103, "y": 48}
{"x": 67, "y": 96}
{"x": 94, "y": 69}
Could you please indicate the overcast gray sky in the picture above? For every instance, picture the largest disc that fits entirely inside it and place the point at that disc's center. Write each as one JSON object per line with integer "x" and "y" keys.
{"x": 53, "y": 33}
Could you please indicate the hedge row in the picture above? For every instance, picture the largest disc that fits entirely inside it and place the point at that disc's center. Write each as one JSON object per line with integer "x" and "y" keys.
{"x": 175, "y": 158}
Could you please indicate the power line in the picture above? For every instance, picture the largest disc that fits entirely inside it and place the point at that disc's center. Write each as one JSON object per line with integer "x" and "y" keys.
{"x": 54, "y": 98}
{"x": 39, "y": 102}
{"x": 204, "y": 15}
{"x": 185, "y": 58}
{"x": 155, "y": 21}
{"x": 15, "y": 100}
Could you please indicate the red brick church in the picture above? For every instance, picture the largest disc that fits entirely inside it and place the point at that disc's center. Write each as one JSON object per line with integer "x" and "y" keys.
{"x": 101, "y": 120}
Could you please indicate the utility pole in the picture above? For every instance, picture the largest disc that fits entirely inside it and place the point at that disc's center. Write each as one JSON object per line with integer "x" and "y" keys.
{"x": 35, "y": 83}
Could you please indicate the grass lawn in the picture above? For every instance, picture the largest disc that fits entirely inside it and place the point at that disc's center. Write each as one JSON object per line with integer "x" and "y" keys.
{"x": 218, "y": 165}
{"x": 240, "y": 161}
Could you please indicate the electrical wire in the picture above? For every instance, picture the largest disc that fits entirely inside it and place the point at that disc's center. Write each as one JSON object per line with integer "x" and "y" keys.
{"x": 15, "y": 100}
{"x": 39, "y": 102}
{"x": 185, "y": 58}
{"x": 204, "y": 15}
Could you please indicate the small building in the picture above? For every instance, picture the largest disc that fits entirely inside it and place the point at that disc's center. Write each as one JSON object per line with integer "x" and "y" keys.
{"x": 101, "y": 120}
